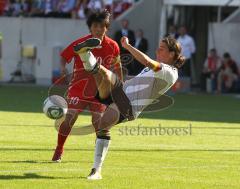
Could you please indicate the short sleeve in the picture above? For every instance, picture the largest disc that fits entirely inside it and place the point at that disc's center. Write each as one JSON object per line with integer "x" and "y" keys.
{"x": 116, "y": 50}
{"x": 68, "y": 53}
{"x": 167, "y": 73}
{"x": 116, "y": 54}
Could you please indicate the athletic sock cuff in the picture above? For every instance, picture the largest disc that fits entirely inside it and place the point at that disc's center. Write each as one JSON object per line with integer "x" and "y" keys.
{"x": 104, "y": 137}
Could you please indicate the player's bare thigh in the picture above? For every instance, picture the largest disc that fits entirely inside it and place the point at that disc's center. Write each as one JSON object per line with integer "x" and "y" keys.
{"x": 108, "y": 119}
{"x": 105, "y": 80}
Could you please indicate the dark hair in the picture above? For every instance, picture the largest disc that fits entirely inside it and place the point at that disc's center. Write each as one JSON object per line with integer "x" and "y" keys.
{"x": 213, "y": 50}
{"x": 99, "y": 17}
{"x": 226, "y": 55}
{"x": 174, "y": 46}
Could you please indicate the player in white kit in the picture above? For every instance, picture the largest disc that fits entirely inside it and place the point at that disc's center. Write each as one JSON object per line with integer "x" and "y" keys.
{"x": 130, "y": 98}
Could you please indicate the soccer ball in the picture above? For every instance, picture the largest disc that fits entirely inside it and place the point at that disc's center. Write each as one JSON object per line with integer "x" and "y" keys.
{"x": 55, "y": 107}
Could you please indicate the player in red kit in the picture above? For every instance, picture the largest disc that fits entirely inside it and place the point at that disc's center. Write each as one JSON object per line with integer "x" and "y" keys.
{"x": 82, "y": 91}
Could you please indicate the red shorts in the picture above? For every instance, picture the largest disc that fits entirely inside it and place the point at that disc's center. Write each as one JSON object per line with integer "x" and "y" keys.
{"x": 80, "y": 104}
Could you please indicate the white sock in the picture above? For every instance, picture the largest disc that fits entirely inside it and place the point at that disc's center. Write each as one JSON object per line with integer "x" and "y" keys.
{"x": 101, "y": 150}
{"x": 89, "y": 60}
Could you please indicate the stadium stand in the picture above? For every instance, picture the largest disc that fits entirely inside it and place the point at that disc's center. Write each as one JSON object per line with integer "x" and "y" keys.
{"x": 77, "y": 9}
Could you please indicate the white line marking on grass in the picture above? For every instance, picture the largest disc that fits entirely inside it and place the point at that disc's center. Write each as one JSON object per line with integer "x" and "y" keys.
{"x": 122, "y": 168}
{"x": 40, "y": 170}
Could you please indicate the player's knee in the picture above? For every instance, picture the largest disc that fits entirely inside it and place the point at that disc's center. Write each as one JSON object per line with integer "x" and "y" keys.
{"x": 71, "y": 117}
{"x": 103, "y": 134}
{"x": 65, "y": 128}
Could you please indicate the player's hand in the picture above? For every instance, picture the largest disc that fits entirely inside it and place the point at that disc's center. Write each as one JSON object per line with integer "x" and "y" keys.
{"x": 125, "y": 42}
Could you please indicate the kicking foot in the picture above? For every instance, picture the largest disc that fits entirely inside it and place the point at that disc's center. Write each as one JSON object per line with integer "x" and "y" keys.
{"x": 84, "y": 51}
{"x": 94, "y": 175}
{"x": 86, "y": 45}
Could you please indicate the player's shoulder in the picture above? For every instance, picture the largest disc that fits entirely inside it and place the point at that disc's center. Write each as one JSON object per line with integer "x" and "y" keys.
{"x": 170, "y": 72}
{"x": 168, "y": 67}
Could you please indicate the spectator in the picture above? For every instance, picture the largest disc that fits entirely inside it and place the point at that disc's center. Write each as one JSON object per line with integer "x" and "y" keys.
{"x": 126, "y": 4}
{"x": 125, "y": 55}
{"x": 3, "y": 4}
{"x": 25, "y": 7}
{"x": 96, "y": 5}
{"x": 117, "y": 8}
{"x": 66, "y": 8}
{"x": 61, "y": 8}
{"x": 141, "y": 44}
{"x": 38, "y": 8}
{"x": 210, "y": 69}
{"x": 15, "y": 8}
{"x": 172, "y": 32}
{"x": 188, "y": 48}
{"x": 7, "y": 8}
{"x": 109, "y": 5}
{"x": 50, "y": 8}
{"x": 124, "y": 31}
{"x": 228, "y": 75}
{"x": 80, "y": 10}
{"x": 44, "y": 8}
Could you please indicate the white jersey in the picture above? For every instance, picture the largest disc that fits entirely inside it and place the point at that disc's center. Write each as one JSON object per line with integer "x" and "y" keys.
{"x": 147, "y": 86}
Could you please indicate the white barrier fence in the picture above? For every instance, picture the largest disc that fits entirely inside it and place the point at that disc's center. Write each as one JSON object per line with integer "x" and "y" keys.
{"x": 225, "y": 38}
{"x": 48, "y": 36}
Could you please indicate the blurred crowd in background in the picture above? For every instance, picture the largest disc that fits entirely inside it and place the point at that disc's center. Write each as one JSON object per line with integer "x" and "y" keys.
{"x": 78, "y": 9}
{"x": 220, "y": 74}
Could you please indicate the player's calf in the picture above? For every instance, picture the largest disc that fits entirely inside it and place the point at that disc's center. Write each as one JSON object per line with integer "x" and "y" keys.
{"x": 101, "y": 149}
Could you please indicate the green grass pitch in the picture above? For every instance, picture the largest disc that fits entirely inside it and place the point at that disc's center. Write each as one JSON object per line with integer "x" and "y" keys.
{"x": 206, "y": 157}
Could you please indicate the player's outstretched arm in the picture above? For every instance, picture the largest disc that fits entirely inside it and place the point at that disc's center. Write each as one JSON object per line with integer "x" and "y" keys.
{"x": 118, "y": 68}
{"x": 140, "y": 56}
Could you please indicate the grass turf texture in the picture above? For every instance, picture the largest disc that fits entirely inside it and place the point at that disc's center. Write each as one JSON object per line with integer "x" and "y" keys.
{"x": 208, "y": 158}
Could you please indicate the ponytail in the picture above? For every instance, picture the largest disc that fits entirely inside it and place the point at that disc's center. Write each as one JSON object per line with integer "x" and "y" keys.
{"x": 180, "y": 61}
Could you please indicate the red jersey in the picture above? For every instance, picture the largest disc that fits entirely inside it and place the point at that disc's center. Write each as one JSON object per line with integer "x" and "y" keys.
{"x": 83, "y": 84}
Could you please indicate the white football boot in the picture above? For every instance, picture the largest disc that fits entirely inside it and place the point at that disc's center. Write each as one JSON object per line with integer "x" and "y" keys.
{"x": 94, "y": 175}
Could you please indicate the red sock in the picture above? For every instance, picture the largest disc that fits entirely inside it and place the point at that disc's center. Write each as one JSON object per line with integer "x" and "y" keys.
{"x": 63, "y": 133}
{"x": 61, "y": 141}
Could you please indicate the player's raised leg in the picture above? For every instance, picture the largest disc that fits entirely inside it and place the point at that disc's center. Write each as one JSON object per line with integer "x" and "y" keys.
{"x": 104, "y": 78}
